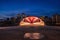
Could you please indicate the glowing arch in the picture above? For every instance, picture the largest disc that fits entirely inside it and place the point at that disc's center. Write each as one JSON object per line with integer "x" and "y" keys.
{"x": 32, "y": 21}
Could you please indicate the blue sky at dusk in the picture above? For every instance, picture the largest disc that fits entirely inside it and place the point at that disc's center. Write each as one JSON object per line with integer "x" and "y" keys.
{"x": 30, "y": 7}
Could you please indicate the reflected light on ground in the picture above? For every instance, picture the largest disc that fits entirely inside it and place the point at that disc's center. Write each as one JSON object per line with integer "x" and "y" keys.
{"x": 33, "y": 35}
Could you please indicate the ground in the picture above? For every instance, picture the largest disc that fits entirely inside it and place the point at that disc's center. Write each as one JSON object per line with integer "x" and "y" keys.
{"x": 17, "y": 33}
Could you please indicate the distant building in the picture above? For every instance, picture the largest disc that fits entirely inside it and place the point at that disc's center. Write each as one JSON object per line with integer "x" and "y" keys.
{"x": 18, "y": 16}
{"x": 46, "y": 19}
{"x": 56, "y": 19}
{"x": 23, "y": 15}
{"x": 42, "y": 17}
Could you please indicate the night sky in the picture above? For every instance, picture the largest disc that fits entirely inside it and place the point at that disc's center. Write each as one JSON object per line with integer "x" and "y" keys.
{"x": 30, "y": 7}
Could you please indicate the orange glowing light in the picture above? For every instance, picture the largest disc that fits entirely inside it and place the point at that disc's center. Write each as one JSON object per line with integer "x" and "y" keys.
{"x": 32, "y": 21}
